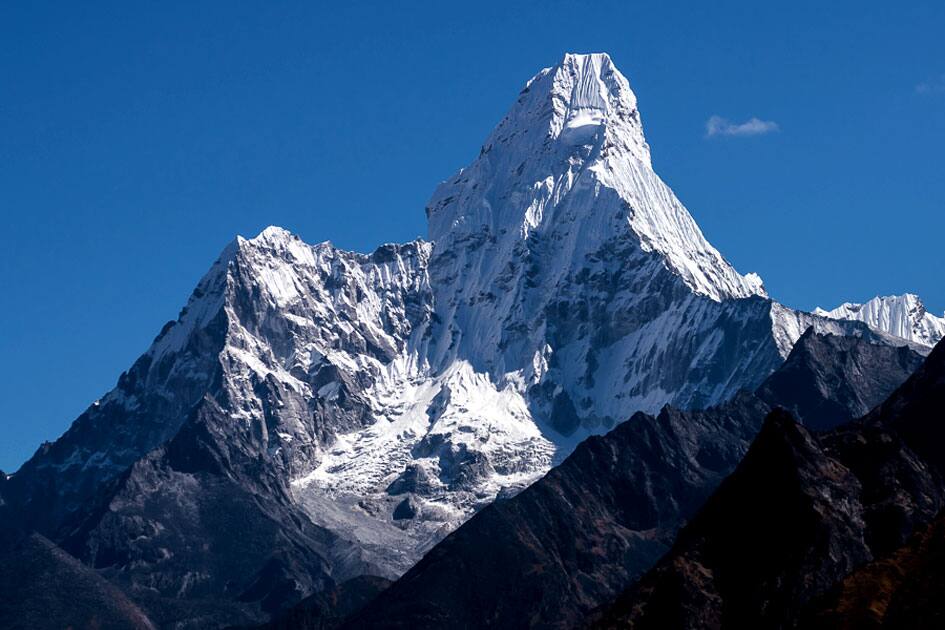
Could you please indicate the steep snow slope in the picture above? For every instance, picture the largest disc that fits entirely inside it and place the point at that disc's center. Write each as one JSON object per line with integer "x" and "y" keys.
{"x": 564, "y": 266}
{"x": 388, "y": 396}
{"x": 904, "y": 316}
{"x": 569, "y": 163}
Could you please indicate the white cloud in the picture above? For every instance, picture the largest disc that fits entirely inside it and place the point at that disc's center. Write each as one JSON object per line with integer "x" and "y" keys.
{"x": 718, "y": 126}
{"x": 935, "y": 85}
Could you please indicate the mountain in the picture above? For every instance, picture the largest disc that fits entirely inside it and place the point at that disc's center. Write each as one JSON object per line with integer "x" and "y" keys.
{"x": 578, "y": 535}
{"x": 904, "y": 316}
{"x": 314, "y": 415}
{"x": 44, "y": 587}
{"x": 203, "y": 534}
{"x": 799, "y": 514}
{"x": 575, "y": 538}
{"x": 828, "y": 379}
{"x": 902, "y": 590}
{"x": 326, "y": 610}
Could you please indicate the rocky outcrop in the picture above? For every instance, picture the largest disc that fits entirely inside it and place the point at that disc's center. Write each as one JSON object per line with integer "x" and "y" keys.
{"x": 830, "y": 379}
{"x": 799, "y": 514}
{"x": 594, "y": 524}
{"x": 44, "y": 587}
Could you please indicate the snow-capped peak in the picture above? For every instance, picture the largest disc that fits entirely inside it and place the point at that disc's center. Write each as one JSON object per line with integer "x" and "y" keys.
{"x": 283, "y": 242}
{"x": 569, "y": 162}
{"x": 572, "y": 102}
{"x": 274, "y": 234}
{"x": 904, "y": 316}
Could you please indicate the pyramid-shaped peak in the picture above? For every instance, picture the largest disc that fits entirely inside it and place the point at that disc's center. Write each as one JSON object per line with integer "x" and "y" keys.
{"x": 582, "y": 100}
{"x": 595, "y": 85}
{"x": 588, "y": 81}
{"x": 274, "y": 234}
{"x": 580, "y": 58}
{"x": 570, "y": 161}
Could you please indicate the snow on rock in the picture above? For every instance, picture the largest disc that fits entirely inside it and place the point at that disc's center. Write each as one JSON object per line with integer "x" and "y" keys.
{"x": 569, "y": 162}
{"x": 565, "y": 288}
{"x": 902, "y": 316}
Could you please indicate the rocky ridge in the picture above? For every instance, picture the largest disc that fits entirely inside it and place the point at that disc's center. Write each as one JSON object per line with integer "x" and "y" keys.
{"x": 577, "y": 537}
{"x": 799, "y": 514}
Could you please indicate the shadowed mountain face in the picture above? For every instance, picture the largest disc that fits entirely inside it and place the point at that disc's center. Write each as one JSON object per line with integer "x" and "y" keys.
{"x": 328, "y": 609}
{"x": 903, "y": 590}
{"x": 591, "y": 526}
{"x": 579, "y": 534}
{"x": 44, "y": 587}
{"x": 830, "y": 379}
{"x": 800, "y": 513}
{"x": 202, "y": 513}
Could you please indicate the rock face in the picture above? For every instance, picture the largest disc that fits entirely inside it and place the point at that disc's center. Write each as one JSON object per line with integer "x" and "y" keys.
{"x": 903, "y": 590}
{"x": 578, "y": 536}
{"x": 327, "y": 609}
{"x": 904, "y": 316}
{"x": 831, "y": 379}
{"x": 799, "y": 514}
{"x": 353, "y": 409}
{"x": 204, "y": 536}
{"x": 44, "y": 587}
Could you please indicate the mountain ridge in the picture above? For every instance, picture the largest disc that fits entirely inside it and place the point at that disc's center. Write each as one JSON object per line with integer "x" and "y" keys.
{"x": 822, "y": 508}
{"x": 904, "y": 316}
{"x": 566, "y": 545}
{"x": 360, "y": 407}
{"x": 41, "y": 586}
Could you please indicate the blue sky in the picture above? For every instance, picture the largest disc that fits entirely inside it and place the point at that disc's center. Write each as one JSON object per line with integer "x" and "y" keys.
{"x": 136, "y": 139}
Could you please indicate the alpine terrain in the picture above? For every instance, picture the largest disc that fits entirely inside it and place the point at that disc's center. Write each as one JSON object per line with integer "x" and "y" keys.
{"x": 573, "y": 540}
{"x": 900, "y": 315}
{"x": 840, "y": 529}
{"x": 314, "y": 415}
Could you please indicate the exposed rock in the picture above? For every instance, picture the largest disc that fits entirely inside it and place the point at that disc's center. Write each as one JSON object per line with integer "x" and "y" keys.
{"x": 799, "y": 514}
{"x": 201, "y": 520}
{"x": 414, "y": 479}
{"x": 327, "y": 609}
{"x": 831, "y": 379}
{"x": 406, "y": 509}
{"x": 41, "y": 586}
{"x": 594, "y": 524}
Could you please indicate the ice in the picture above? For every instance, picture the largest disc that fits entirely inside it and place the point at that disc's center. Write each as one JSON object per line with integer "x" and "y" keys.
{"x": 903, "y": 316}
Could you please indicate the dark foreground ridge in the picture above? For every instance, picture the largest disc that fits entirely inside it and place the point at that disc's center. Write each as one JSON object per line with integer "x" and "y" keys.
{"x": 328, "y": 609}
{"x": 800, "y": 514}
{"x": 593, "y": 525}
{"x": 41, "y": 586}
{"x": 903, "y": 590}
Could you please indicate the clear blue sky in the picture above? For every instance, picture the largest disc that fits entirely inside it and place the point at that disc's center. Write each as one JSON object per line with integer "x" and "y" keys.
{"x": 136, "y": 139}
